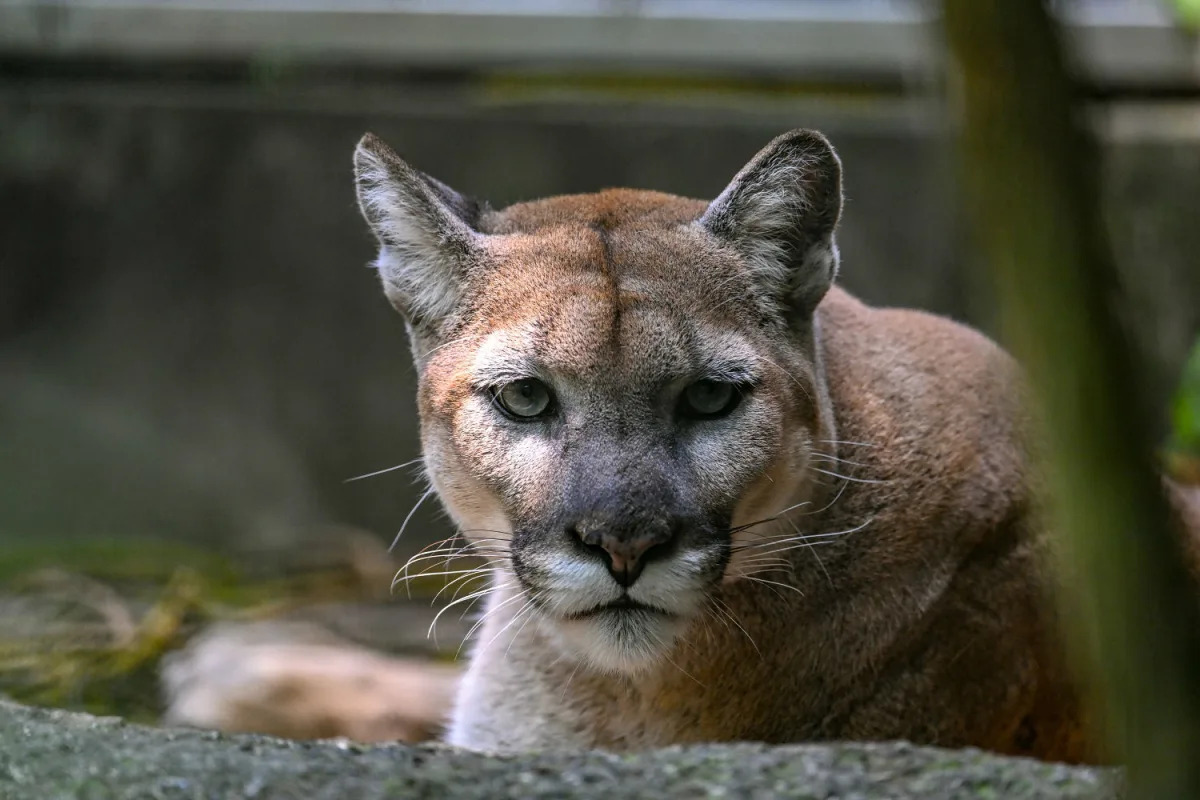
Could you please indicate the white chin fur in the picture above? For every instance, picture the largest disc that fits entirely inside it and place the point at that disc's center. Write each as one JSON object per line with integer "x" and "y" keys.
{"x": 627, "y": 641}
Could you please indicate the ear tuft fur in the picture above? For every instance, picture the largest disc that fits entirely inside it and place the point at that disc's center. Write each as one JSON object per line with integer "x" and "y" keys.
{"x": 428, "y": 242}
{"x": 780, "y": 213}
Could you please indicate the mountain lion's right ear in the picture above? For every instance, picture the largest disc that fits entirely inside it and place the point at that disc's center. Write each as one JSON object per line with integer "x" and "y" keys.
{"x": 779, "y": 213}
{"x": 428, "y": 242}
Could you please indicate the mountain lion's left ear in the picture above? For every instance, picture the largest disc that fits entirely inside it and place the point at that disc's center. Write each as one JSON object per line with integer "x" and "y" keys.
{"x": 779, "y": 214}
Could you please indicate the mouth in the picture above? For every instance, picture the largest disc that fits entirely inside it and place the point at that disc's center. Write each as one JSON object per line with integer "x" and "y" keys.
{"x": 622, "y": 605}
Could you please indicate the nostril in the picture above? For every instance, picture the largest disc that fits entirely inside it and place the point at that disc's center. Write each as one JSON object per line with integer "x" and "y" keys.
{"x": 655, "y": 550}
{"x": 625, "y": 552}
{"x": 602, "y": 552}
{"x": 592, "y": 541}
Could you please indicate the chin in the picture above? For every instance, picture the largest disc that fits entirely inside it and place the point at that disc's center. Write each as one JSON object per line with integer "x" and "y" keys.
{"x": 625, "y": 641}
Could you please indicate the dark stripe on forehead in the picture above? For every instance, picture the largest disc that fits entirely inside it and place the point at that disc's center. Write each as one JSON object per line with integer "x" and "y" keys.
{"x": 609, "y": 271}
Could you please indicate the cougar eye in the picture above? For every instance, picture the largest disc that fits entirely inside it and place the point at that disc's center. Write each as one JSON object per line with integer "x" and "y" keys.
{"x": 523, "y": 399}
{"x": 709, "y": 399}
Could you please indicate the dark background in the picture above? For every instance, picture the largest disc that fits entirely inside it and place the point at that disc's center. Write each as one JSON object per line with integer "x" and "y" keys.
{"x": 191, "y": 345}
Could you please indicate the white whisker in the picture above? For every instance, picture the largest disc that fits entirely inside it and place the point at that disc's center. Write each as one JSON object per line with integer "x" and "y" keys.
{"x": 529, "y": 604}
{"x": 829, "y": 505}
{"x": 489, "y": 612}
{"x": 805, "y": 537}
{"x": 570, "y": 678}
{"x": 384, "y": 471}
{"x": 461, "y": 582}
{"x": 728, "y": 612}
{"x": 841, "y": 441}
{"x": 424, "y": 497}
{"x": 827, "y": 457}
{"x": 517, "y": 635}
{"x": 773, "y": 583}
{"x": 448, "y": 556}
{"x": 433, "y": 625}
{"x": 399, "y": 579}
{"x": 815, "y": 555}
{"x": 790, "y": 376}
{"x": 432, "y": 632}
{"x": 663, "y": 646}
{"x": 764, "y": 520}
{"x": 765, "y": 563}
{"x": 832, "y": 474}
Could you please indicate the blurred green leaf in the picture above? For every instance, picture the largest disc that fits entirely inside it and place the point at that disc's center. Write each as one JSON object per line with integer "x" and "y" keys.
{"x": 115, "y": 559}
{"x": 1188, "y": 12}
{"x": 1185, "y": 411}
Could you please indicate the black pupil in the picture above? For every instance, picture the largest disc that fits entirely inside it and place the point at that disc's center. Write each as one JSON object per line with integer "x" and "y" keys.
{"x": 526, "y": 398}
{"x": 709, "y": 397}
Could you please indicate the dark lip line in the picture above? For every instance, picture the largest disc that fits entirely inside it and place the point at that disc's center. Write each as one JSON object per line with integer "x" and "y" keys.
{"x": 623, "y": 603}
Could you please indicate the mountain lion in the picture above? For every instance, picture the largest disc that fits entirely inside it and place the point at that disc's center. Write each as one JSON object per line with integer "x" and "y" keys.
{"x": 723, "y": 498}
{"x": 719, "y": 497}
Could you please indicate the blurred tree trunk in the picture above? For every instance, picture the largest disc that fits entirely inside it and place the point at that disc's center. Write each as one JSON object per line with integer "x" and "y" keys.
{"x": 1032, "y": 175}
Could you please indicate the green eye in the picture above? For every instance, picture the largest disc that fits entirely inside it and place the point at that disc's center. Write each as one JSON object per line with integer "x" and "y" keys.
{"x": 523, "y": 399}
{"x": 709, "y": 399}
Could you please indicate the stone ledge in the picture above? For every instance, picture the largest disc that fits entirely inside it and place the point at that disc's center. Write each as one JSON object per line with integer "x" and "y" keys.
{"x": 54, "y": 754}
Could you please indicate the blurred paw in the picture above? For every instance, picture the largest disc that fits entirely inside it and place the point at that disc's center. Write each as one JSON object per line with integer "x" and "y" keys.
{"x": 298, "y": 681}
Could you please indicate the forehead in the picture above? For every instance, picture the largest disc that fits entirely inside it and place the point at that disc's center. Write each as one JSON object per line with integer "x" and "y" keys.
{"x": 589, "y": 337}
{"x": 581, "y": 300}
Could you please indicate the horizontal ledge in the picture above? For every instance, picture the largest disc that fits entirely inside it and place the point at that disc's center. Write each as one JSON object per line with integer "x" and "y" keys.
{"x": 58, "y": 754}
{"x": 1123, "y": 42}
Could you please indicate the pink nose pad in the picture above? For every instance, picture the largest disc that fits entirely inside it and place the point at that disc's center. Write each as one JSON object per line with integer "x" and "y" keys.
{"x": 626, "y": 555}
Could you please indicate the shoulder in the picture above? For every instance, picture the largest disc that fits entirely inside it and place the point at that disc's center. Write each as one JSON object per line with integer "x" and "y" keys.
{"x": 921, "y": 360}
{"x": 942, "y": 404}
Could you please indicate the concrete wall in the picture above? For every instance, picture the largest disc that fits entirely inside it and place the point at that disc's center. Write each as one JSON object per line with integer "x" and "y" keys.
{"x": 191, "y": 346}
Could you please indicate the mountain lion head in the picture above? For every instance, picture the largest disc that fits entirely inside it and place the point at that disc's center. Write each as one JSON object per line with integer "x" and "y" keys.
{"x": 620, "y": 387}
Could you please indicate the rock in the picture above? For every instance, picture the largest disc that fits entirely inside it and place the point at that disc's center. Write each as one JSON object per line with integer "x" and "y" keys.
{"x": 55, "y": 754}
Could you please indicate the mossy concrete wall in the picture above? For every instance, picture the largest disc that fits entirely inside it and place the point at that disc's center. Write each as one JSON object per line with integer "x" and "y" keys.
{"x": 191, "y": 346}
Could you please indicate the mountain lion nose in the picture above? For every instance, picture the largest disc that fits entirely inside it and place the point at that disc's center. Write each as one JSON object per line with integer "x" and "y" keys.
{"x": 625, "y": 552}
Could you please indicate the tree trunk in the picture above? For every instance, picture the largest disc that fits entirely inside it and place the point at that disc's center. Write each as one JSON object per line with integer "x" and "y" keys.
{"x": 1032, "y": 174}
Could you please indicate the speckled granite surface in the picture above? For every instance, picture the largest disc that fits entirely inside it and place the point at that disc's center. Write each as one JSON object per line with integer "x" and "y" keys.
{"x": 47, "y": 755}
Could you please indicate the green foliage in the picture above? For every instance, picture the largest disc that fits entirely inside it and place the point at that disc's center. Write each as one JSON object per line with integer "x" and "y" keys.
{"x": 114, "y": 559}
{"x": 1185, "y": 411}
{"x": 1183, "y": 448}
{"x": 1188, "y": 13}
{"x": 84, "y": 624}
{"x": 90, "y": 649}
